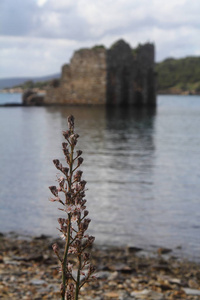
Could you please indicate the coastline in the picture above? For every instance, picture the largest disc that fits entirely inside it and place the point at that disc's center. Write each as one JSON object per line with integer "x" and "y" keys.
{"x": 29, "y": 270}
{"x": 21, "y": 91}
{"x": 15, "y": 104}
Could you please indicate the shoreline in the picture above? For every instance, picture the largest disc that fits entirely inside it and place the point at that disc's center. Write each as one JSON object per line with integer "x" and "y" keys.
{"x": 149, "y": 250}
{"x": 170, "y": 91}
{"x": 41, "y": 104}
{"x": 29, "y": 270}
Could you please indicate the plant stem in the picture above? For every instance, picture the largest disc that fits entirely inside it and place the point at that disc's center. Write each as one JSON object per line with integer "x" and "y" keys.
{"x": 78, "y": 278}
{"x": 65, "y": 257}
{"x": 68, "y": 230}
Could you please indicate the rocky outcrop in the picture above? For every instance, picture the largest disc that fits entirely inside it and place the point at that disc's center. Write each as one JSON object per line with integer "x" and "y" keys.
{"x": 31, "y": 98}
{"x": 117, "y": 76}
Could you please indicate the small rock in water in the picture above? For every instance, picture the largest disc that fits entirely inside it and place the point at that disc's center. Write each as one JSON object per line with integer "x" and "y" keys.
{"x": 132, "y": 249}
{"x": 163, "y": 251}
{"x": 41, "y": 237}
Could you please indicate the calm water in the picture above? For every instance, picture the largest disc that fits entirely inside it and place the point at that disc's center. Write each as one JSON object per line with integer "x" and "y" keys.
{"x": 142, "y": 169}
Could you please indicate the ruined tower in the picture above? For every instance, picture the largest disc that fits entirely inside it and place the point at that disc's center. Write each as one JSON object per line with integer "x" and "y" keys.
{"x": 117, "y": 76}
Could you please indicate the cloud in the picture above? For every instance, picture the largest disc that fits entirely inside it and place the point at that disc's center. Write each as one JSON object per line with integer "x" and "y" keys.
{"x": 41, "y": 2}
{"x": 46, "y": 27}
{"x": 32, "y": 56}
{"x": 17, "y": 17}
{"x": 92, "y": 19}
{"x": 47, "y": 19}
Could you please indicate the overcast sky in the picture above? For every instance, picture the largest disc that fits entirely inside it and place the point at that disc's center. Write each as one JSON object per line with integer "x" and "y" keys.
{"x": 38, "y": 36}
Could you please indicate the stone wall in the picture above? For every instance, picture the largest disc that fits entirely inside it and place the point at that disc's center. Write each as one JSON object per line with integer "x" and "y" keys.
{"x": 117, "y": 76}
{"x": 145, "y": 81}
{"x": 120, "y": 74}
{"x": 83, "y": 81}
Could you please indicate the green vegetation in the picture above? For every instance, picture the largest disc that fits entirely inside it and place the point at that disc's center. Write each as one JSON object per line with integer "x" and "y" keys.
{"x": 179, "y": 75}
{"x": 31, "y": 84}
{"x": 96, "y": 47}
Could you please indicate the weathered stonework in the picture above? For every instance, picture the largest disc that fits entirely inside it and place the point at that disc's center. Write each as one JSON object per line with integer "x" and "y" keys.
{"x": 117, "y": 76}
{"x": 31, "y": 98}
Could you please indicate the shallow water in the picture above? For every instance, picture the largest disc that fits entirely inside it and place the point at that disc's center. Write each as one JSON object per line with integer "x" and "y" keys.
{"x": 142, "y": 169}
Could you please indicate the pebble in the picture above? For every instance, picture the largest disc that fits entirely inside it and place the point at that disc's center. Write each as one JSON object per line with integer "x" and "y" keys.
{"x": 193, "y": 284}
{"x": 191, "y": 291}
{"x": 148, "y": 294}
{"x": 37, "y": 282}
{"x": 112, "y": 295}
{"x": 103, "y": 275}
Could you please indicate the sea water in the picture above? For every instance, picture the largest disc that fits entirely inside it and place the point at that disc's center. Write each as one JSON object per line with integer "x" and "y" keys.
{"x": 142, "y": 169}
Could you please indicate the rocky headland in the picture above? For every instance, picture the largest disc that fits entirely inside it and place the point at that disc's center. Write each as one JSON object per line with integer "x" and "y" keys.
{"x": 29, "y": 270}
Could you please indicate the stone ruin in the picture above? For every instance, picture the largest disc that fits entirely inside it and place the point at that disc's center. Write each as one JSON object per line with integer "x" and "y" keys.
{"x": 31, "y": 98}
{"x": 116, "y": 76}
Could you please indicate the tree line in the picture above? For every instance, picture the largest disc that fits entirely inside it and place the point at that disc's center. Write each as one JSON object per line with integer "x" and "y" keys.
{"x": 181, "y": 75}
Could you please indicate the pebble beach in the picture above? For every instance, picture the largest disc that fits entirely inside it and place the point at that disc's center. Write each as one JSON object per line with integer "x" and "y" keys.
{"x": 29, "y": 270}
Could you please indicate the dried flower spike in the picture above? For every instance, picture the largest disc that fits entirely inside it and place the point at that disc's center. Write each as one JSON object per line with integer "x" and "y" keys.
{"x": 71, "y": 194}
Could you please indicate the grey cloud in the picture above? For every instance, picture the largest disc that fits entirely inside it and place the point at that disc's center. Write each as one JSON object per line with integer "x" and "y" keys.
{"x": 25, "y": 18}
{"x": 17, "y": 17}
{"x": 68, "y": 27}
{"x": 32, "y": 57}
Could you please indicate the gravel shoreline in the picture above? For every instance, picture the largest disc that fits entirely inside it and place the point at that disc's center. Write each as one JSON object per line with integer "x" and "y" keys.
{"x": 29, "y": 270}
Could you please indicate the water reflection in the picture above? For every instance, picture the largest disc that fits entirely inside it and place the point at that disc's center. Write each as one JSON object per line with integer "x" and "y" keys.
{"x": 119, "y": 147}
{"x": 130, "y": 115}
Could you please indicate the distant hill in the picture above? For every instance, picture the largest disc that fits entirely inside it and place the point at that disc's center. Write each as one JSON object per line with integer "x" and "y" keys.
{"x": 179, "y": 75}
{"x": 15, "y": 81}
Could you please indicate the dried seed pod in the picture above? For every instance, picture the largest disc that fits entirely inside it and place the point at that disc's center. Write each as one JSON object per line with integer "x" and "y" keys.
{"x": 77, "y": 176}
{"x": 54, "y": 190}
{"x": 79, "y": 152}
{"x": 66, "y": 134}
{"x": 57, "y": 164}
{"x": 71, "y": 122}
{"x": 80, "y": 160}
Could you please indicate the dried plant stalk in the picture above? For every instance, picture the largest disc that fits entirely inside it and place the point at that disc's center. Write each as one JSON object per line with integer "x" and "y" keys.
{"x": 70, "y": 193}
